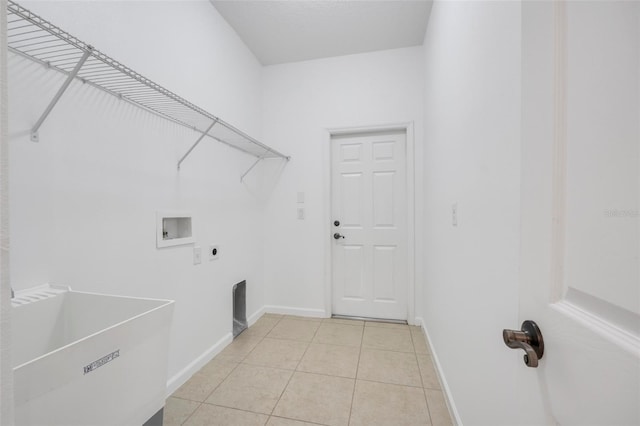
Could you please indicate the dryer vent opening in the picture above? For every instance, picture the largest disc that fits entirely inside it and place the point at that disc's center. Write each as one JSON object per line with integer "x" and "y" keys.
{"x": 239, "y": 308}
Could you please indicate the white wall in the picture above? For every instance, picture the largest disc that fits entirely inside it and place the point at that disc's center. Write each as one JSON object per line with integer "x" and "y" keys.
{"x": 472, "y": 158}
{"x": 301, "y": 101}
{"x": 84, "y": 198}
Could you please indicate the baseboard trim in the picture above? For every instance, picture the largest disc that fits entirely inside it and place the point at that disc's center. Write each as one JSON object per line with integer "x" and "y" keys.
{"x": 301, "y": 312}
{"x": 185, "y": 374}
{"x": 255, "y": 317}
{"x": 453, "y": 411}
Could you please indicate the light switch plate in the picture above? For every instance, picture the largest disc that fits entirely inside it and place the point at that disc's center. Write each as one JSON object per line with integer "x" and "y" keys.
{"x": 454, "y": 214}
{"x": 197, "y": 255}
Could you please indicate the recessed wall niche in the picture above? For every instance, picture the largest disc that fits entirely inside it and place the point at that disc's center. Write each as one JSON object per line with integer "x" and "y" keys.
{"x": 173, "y": 228}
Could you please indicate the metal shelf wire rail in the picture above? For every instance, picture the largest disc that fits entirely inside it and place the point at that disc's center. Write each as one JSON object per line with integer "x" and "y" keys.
{"x": 35, "y": 38}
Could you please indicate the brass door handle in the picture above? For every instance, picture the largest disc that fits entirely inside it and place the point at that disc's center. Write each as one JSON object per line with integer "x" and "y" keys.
{"x": 529, "y": 339}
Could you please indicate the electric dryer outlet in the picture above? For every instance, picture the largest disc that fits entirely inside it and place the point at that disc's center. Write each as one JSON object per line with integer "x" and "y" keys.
{"x": 214, "y": 252}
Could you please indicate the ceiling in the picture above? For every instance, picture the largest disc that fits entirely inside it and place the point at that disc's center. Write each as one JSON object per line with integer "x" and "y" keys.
{"x": 300, "y": 30}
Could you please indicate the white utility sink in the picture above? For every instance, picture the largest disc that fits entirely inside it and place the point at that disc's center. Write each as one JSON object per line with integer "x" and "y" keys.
{"x": 88, "y": 359}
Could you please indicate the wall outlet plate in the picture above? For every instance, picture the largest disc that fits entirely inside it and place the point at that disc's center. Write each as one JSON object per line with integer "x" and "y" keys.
{"x": 214, "y": 252}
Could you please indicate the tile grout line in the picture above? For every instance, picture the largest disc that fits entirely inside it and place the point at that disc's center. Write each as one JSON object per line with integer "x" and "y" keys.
{"x": 246, "y": 356}
{"x": 192, "y": 413}
{"x": 296, "y": 420}
{"x": 336, "y": 344}
{"x": 361, "y": 347}
{"x": 181, "y": 398}
{"x": 306, "y": 350}
{"x": 296, "y": 369}
{"x": 200, "y": 403}
{"x": 237, "y": 409}
{"x": 385, "y": 383}
{"x": 308, "y": 347}
{"x": 226, "y": 407}
{"x": 210, "y": 393}
{"x": 242, "y": 361}
{"x": 424, "y": 393}
{"x": 388, "y": 350}
{"x": 221, "y": 381}
{"x": 392, "y": 350}
{"x": 355, "y": 380}
{"x": 342, "y": 323}
{"x": 261, "y": 338}
{"x": 238, "y": 363}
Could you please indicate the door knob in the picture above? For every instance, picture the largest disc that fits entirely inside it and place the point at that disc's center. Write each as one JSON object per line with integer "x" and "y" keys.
{"x": 337, "y": 236}
{"x": 529, "y": 339}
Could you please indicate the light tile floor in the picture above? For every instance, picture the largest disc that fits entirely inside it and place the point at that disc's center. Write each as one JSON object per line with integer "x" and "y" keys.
{"x": 293, "y": 371}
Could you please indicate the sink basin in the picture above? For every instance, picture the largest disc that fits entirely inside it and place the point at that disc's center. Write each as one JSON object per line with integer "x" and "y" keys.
{"x": 88, "y": 359}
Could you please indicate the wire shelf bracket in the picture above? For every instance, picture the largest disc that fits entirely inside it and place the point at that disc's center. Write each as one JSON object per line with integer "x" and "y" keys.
{"x": 32, "y": 37}
{"x": 35, "y": 136}
{"x": 250, "y": 168}
{"x": 196, "y": 143}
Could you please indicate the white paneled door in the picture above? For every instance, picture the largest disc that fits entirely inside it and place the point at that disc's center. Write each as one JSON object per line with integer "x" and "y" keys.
{"x": 579, "y": 268}
{"x": 369, "y": 225}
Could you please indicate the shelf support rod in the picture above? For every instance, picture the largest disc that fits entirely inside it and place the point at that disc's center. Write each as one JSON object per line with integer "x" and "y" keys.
{"x": 250, "y": 168}
{"x": 197, "y": 142}
{"x": 35, "y": 137}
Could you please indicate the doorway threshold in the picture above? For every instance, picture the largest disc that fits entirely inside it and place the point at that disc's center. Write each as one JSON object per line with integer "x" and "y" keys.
{"x": 349, "y": 317}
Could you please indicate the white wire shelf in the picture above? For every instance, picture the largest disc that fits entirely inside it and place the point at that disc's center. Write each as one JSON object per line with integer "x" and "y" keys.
{"x": 35, "y": 38}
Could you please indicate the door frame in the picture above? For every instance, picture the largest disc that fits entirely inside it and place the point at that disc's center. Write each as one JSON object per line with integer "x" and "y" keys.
{"x": 328, "y": 134}
{"x": 6, "y": 369}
